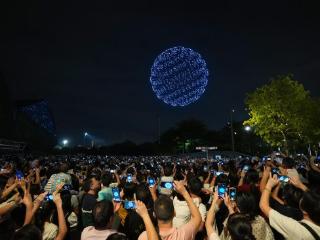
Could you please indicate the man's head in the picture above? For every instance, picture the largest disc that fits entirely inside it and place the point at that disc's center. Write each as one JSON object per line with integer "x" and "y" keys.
{"x": 310, "y": 205}
{"x": 168, "y": 170}
{"x": 106, "y": 179}
{"x": 102, "y": 214}
{"x": 288, "y": 163}
{"x": 163, "y": 208}
{"x": 92, "y": 184}
{"x": 195, "y": 185}
{"x": 64, "y": 167}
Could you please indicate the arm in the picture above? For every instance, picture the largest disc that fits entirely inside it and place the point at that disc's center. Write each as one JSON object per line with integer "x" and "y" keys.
{"x": 275, "y": 193}
{"x": 211, "y": 215}
{"x": 312, "y": 164}
{"x": 37, "y": 202}
{"x": 27, "y": 201}
{"x": 242, "y": 175}
{"x": 7, "y": 191}
{"x": 195, "y": 214}
{"x": 297, "y": 183}
{"x": 230, "y": 205}
{"x": 150, "y": 229}
{"x": 10, "y": 205}
{"x": 117, "y": 177}
{"x": 208, "y": 178}
{"x": 264, "y": 179}
{"x": 153, "y": 191}
{"x": 62, "y": 231}
{"x": 213, "y": 181}
{"x": 264, "y": 200}
{"x": 38, "y": 180}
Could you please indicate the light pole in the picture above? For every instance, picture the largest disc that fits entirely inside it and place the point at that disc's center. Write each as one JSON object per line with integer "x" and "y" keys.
{"x": 84, "y": 138}
{"x": 231, "y": 128}
{"x": 248, "y": 130}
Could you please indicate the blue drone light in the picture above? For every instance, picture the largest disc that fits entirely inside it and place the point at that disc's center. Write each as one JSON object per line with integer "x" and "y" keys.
{"x": 179, "y": 76}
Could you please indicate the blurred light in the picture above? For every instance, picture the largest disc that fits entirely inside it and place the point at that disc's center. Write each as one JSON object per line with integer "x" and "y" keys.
{"x": 247, "y": 128}
{"x": 65, "y": 142}
{"x": 86, "y": 134}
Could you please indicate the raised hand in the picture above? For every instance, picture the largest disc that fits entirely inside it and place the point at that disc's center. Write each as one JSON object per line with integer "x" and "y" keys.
{"x": 141, "y": 209}
{"x": 179, "y": 187}
{"x": 273, "y": 181}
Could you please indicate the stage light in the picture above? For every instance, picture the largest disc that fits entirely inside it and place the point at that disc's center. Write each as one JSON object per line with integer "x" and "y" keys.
{"x": 86, "y": 134}
{"x": 179, "y": 76}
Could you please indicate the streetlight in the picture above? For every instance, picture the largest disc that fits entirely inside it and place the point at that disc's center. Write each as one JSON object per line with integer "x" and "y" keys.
{"x": 65, "y": 142}
{"x": 86, "y": 134}
{"x": 247, "y": 128}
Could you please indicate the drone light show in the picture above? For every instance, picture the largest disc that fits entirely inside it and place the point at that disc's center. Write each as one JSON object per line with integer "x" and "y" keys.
{"x": 179, "y": 76}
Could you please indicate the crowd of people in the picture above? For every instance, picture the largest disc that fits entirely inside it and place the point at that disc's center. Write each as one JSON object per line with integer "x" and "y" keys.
{"x": 160, "y": 197}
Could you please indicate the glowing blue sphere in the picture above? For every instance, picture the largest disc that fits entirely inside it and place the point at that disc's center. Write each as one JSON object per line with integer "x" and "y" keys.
{"x": 179, "y": 76}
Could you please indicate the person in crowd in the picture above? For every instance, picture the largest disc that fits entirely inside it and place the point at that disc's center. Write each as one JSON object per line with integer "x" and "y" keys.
{"x": 103, "y": 215}
{"x": 134, "y": 224}
{"x": 56, "y": 179}
{"x": 91, "y": 188}
{"x": 238, "y": 224}
{"x": 167, "y": 176}
{"x": 247, "y": 204}
{"x": 308, "y": 228}
{"x": 181, "y": 208}
{"x": 164, "y": 211}
{"x": 106, "y": 192}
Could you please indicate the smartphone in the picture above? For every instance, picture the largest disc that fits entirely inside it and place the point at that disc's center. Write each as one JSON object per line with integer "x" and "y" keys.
{"x": 233, "y": 193}
{"x": 151, "y": 181}
{"x": 221, "y": 190}
{"x": 167, "y": 185}
{"x": 116, "y": 194}
{"x": 129, "y": 205}
{"x": 275, "y": 171}
{"x": 67, "y": 187}
{"x": 112, "y": 171}
{"x": 48, "y": 197}
{"x": 129, "y": 178}
{"x": 284, "y": 179}
{"x": 205, "y": 168}
{"x": 218, "y": 173}
{"x": 246, "y": 168}
{"x": 19, "y": 175}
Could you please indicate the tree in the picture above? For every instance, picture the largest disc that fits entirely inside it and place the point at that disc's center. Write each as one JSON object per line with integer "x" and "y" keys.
{"x": 282, "y": 112}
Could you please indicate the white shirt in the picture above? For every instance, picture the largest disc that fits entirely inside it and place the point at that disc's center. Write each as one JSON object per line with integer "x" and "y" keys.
{"x": 183, "y": 214}
{"x": 290, "y": 228}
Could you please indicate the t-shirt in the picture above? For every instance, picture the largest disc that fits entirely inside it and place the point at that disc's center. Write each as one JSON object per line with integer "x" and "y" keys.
{"x": 290, "y": 228}
{"x": 90, "y": 233}
{"x": 185, "y": 232}
{"x": 183, "y": 214}
{"x": 286, "y": 210}
{"x": 50, "y": 231}
{"x": 57, "y": 179}
{"x": 88, "y": 203}
{"x": 214, "y": 236}
{"x": 105, "y": 194}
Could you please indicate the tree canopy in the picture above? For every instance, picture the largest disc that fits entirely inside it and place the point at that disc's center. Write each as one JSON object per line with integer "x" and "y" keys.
{"x": 283, "y": 112}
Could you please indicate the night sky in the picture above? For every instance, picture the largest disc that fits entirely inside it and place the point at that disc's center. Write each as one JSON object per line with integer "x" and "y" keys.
{"x": 91, "y": 59}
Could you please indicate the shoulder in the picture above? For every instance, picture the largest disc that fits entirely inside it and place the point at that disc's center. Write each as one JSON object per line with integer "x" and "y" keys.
{"x": 143, "y": 236}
